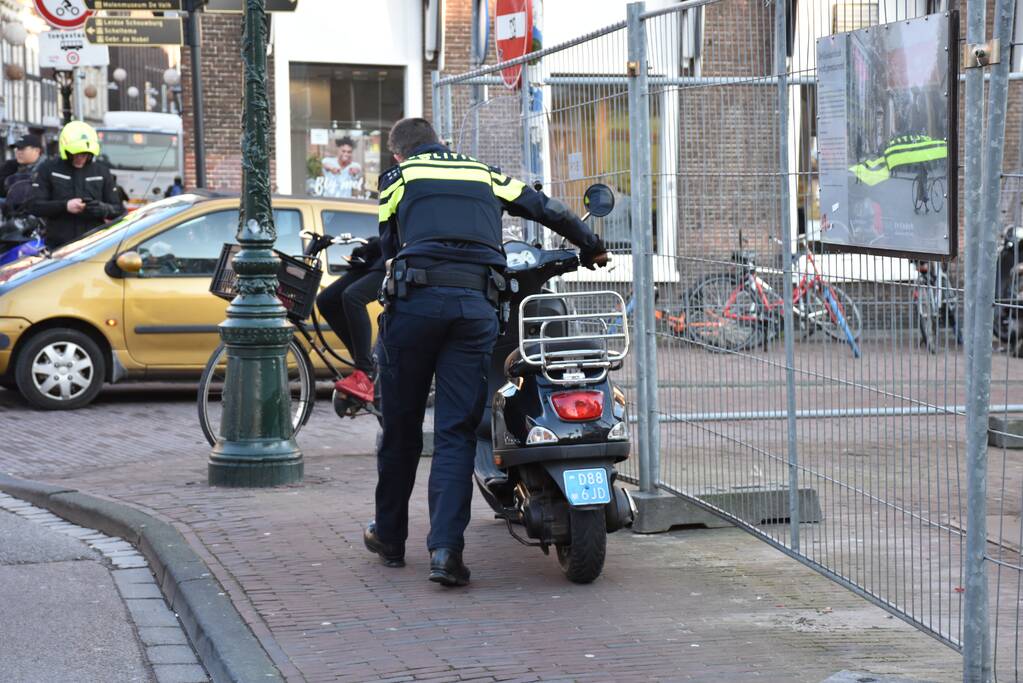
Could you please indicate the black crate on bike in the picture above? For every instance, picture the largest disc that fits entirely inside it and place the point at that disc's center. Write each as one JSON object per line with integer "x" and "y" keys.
{"x": 298, "y": 281}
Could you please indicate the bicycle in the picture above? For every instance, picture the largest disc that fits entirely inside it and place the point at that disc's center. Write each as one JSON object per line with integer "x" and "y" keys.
{"x": 298, "y": 283}
{"x": 936, "y": 302}
{"x": 928, "y": 193}
{"x": 738, "y": 311}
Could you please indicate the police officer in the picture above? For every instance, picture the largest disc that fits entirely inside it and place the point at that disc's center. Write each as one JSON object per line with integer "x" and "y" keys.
{"x": 74, "y": 193}
{"x": 440, "y": 226}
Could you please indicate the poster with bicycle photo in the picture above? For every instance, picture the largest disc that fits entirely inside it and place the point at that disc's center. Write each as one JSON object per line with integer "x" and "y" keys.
{"x": 886, "y": 113}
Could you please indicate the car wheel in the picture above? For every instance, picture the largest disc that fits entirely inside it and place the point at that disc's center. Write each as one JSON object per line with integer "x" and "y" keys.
{"x": 60, "y": 369}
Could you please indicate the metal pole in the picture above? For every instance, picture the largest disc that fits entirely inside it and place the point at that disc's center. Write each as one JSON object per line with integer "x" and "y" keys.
{"x": 642, "y": 240}
{"x": 199, "y": 143}
{"x": 983, "y": 193}
{"x": 530, "y": 233}
{"x": 475, "y": 91}
{"x": 435, "y": 102}
{"x": 781, "y": 72}
{"x": 78, "y": 76}
{"x": 256, "y": 446}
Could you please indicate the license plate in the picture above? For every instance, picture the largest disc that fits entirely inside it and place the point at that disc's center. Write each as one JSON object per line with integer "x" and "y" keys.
{"x": 587, "y": 487}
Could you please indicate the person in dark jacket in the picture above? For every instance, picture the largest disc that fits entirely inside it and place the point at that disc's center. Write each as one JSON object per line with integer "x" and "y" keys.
{"x": 74, "y": 193}
{"x": 343, "y": 306}
{"x": 28, "y": 153}
{"x": 440, "y": 228}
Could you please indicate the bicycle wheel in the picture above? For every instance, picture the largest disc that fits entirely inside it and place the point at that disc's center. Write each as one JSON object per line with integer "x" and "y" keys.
{"x": 937, "y": 194}
{"x": 301, "y": 381}
{"x": 820, "y": 314}
{"x": 722, "y": 314}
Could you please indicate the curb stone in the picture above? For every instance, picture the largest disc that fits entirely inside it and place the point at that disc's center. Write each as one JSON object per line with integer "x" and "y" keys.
{"x": 225, "y": 644}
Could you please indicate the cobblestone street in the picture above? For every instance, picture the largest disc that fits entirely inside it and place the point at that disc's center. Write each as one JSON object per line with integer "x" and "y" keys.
{"x": 694, "y": 604}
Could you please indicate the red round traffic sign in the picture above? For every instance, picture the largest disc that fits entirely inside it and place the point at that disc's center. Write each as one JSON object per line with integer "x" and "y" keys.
{"x": 72, "y": 57}
{"x": 63, "y": 14}
{"x": 513, "y": 29}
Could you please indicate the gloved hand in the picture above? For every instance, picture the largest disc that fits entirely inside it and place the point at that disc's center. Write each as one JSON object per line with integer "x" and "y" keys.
{"x": 98, "y": 209}
{"x": 594, "y": 256}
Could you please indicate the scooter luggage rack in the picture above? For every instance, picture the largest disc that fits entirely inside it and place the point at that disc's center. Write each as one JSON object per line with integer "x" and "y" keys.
{"x": 571, "y": 355}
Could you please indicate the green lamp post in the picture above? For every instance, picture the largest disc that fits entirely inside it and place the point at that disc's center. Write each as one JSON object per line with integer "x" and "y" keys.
{"x": 256, "y": 445}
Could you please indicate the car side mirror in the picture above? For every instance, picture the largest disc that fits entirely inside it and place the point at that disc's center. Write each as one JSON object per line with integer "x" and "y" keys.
{"x": 599, "y": 200}
{"x": 129, "y": 262}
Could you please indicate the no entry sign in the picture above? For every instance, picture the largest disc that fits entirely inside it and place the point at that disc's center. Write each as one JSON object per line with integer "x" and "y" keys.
{"x": 63, "y": 14}
{"x": 513, "y": 28}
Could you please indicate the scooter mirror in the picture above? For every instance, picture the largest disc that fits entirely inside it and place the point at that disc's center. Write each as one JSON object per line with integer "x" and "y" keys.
{"x": 599, "y": 200}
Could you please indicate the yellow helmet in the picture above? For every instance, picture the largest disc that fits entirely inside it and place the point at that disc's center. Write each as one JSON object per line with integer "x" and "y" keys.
{"x": 78, "y": 137}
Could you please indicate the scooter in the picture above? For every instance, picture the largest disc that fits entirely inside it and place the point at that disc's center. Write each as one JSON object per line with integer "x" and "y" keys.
{"x": 19, "y": 237}
{"x": 1008, "y": 320}
{"x": 555, "y": 424}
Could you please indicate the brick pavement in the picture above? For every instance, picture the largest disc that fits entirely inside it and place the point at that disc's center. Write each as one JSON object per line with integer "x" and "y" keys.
{"x": 688, "y": 605}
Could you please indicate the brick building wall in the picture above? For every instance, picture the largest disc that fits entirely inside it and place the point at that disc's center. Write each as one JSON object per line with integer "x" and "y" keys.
{"x": 223, "y": 103}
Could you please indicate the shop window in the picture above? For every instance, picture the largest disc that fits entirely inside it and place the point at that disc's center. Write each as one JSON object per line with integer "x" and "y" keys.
{"x": 340, "y": 117}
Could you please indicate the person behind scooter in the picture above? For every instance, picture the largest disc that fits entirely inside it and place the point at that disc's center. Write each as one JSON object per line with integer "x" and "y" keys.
{"x": 19, "y": 229}
{"x": 343, "y": 306}
{"x": 440, "y": 225}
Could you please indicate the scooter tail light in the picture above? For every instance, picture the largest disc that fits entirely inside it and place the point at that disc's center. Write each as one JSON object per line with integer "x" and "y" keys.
{"x": 578, "y": 406}
{"x": 539, "y": 435}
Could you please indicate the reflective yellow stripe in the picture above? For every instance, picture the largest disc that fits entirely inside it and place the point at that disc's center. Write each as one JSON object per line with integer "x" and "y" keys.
{"x": 443, "y": 162}
{"x": 870, "y": 176}
{"x": 445, "y": 172}
{"x": 506, "y": 188}
{"x": 389, "y": 207}
{"x": 390, "y": 189}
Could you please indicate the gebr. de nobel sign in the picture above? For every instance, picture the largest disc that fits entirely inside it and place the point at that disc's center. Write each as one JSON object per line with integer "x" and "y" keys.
{"x": 886, "y": 132}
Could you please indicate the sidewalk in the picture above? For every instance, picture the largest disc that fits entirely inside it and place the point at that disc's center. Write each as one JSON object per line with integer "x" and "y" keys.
{"x": 689, "y": 605}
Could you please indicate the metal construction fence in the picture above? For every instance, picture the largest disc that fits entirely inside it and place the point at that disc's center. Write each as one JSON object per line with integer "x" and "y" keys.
{"x": 859, "y": 449}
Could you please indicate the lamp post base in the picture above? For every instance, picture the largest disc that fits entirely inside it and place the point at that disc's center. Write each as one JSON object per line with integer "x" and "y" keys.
{"x": 255, "y": 464}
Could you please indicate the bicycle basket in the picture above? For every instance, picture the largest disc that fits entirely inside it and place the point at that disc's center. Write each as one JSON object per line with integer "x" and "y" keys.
{"x": 298, "y": 281}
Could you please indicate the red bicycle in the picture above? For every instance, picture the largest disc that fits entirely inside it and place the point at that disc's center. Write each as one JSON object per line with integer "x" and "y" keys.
{"x": 739, "y": 310}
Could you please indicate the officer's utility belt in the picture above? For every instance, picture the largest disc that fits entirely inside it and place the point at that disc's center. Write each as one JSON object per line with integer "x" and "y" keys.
{"x": 401, "y": 276}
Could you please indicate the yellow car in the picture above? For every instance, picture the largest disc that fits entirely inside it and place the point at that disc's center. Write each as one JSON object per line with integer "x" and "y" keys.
{"x": 71, "y": 321}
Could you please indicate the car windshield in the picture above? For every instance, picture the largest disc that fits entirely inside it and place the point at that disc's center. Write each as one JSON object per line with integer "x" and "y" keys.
{"x": 102, "y": 237}
{"x": 139, "y": 151}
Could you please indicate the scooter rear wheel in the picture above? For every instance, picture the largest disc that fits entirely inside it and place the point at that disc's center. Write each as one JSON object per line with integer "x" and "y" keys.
{"x": 583, "y": 560}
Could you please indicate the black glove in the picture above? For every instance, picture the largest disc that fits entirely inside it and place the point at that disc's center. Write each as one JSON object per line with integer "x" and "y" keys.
{"x": 98, "y": 209}
{"x": 594, "y": 255}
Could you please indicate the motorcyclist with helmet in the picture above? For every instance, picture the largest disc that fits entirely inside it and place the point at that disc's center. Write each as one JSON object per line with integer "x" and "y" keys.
{"x": 74, "y": 193}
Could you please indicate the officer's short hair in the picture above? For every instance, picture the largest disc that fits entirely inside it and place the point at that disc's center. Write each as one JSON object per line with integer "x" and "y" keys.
{"x": 410, "y": 133}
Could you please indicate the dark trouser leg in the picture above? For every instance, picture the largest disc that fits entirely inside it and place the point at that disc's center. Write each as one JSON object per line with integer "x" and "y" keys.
{"x": 406, "y": 358}
{"x": 331, "y": 306}
{"x": 462, "y": 366}
{"x": 355, "y": 298}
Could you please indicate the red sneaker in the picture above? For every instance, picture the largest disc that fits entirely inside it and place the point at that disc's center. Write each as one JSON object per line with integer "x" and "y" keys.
{"x": 357, "y": 385}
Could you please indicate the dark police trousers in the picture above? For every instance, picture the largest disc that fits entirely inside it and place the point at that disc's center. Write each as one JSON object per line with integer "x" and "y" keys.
{"x": 450, "y": 331}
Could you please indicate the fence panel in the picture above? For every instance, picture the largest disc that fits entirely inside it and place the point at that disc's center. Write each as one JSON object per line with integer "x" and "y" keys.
{"x": 567, "y": 130}
{"x": 843, "y": 446}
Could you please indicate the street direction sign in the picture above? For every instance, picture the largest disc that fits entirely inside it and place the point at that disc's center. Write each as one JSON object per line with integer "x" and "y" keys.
{"x": 513, "y": 27}
{"x": 64, "y": 50}
{"x": 63, "y": 14}
{"x": 145, "y": 5}
{"x": 134, "y": 31}
{"x": 239, "y": 5}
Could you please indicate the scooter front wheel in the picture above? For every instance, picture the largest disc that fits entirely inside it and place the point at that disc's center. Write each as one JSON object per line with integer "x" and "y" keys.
{"x": 583, "y": 559}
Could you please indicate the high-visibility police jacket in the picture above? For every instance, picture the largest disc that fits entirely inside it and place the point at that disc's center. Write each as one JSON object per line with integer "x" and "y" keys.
{"x": 907, "y": 150}
{"x": 447, "y": 206}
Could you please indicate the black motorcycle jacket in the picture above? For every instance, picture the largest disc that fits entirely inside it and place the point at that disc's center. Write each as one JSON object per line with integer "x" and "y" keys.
{"x": 447, "y": 206}
{"x": 57, "y": 181}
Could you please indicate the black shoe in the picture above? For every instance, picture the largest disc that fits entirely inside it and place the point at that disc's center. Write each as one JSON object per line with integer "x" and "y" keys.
{"x": 446, "y": 568}
{"x": 392, "y": 555}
